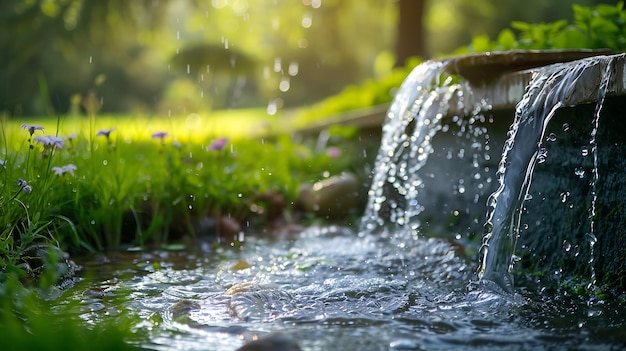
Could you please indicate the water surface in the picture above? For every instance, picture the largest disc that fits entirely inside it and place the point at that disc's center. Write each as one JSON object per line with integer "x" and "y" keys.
{"x": 328, "y": 289}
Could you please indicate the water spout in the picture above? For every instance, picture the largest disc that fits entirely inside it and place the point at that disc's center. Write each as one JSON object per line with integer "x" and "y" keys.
{"x": 551, "y": 88}
{"x": 427, "y": 96}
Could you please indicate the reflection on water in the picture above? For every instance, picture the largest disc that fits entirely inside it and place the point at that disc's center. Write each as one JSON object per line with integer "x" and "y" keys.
{"x": 330, "y": 290}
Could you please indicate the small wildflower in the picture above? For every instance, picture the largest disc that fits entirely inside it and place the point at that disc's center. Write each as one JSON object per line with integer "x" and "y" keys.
{"x": 333, "y": 152}
{"x": 159, "y": 135}
{"x": 218, "y": 144}
{"x": 24, "y": 186}
{"x": 50, "y": 141}
{"x": 21, "y": 183}
{"x": 105, "y": 132}
{"x": 177, "y": 144}
{"x": 69, "y": 168}
{"x": 3, "y": 163}
{"x": 31, "y": 129}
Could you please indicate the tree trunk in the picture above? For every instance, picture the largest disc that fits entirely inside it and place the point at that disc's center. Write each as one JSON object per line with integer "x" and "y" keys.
{"x": 410, "y": 40}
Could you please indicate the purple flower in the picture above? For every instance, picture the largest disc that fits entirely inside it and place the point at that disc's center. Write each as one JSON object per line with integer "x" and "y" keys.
{"x": 69, "y": 168}
{"x": 105, "y": 132}
{"x": 31, "y": 129}
{"x": 24, "y": 186}
{"x": 50, "y": 141}
{"x": 333, "y": 152}
{"x": 159, "y": 135}
{"x": 3, "y": 163}
{"x": 218, "y": 144}
{"x": 21, "y": 183}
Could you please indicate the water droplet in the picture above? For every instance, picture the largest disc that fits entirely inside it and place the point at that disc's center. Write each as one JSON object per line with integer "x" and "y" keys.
{"x": 293, "y": 69}
{"x": 277, "y": 65}
{"x": 528, "y": 197}
{"x": 284, "y": 85}
{"x": 591, "y": 238}
{"x": 551, "y": 137}
{"x": 105, "y": 162}
{"x": 564, "y": 196}
{"x": 307, "y": 21}
{"x": 567, "y": 246}
{"x": 272, "y": 108}
{"x": 565, "y": 127}
{"x": 584, "y": 151}
{"x": 580, "y": 172}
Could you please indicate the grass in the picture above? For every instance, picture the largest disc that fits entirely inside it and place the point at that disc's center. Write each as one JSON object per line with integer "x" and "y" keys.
{"x": 95, "y": 183}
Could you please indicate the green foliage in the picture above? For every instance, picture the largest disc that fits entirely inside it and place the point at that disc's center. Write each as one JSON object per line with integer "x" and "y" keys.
{"x": 599, "y": 27}
{"x": 99, "y": 188}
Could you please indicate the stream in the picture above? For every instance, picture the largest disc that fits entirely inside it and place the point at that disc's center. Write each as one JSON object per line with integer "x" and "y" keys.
{"x": 328, "y": 289}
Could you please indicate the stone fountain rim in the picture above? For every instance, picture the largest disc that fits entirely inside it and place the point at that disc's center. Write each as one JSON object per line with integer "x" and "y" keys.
{"x": 512, "y": 69}
{"x": 487, "y": 67}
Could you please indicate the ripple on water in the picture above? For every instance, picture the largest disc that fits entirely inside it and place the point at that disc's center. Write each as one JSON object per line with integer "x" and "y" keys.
{"x": 329, "y": 290}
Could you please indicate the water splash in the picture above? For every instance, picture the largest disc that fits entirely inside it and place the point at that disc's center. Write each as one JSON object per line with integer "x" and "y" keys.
{"x": 414, "y": 118}
{"x": 551, "y": 88}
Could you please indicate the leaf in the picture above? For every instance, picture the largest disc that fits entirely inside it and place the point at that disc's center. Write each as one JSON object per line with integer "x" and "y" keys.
{"x": 603, "y": 27}
{"x": 521, "y": 26}
{"x": 481, "y": 43}
{"x": 582, "y": 16}
{"x": 506, "y": 39}
{"x": 570, "y": 38}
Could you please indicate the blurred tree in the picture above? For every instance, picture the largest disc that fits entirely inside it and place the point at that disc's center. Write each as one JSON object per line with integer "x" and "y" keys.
{"x": 410, "y": 37}
{"x": 120, "y": 52}
{"x": 55, "y": 49}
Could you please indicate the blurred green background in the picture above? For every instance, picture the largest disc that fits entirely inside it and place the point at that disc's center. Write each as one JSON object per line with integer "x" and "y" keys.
{"x": 167, "y": 57}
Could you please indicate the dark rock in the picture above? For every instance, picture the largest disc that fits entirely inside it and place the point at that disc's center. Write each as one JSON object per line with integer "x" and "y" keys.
{"x": 334, "y": 197}
{"x": 275, "y": 342}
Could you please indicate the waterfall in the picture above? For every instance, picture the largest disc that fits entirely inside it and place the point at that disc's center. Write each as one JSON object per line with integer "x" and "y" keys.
{"x": 432, "y": 95}
{"x": 551, "y": 88}
{"x": 412, "y": 121}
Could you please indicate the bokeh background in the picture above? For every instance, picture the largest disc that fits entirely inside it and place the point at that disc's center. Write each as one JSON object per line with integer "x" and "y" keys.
{"x": 168, "y": 57}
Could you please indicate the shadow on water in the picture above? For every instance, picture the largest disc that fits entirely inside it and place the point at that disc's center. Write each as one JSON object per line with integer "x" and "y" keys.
{"x": 409, "y": 278}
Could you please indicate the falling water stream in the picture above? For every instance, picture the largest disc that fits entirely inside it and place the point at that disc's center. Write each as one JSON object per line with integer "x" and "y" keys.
{"x": 406, "y": 279}
{"x": 551, "y": 89}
